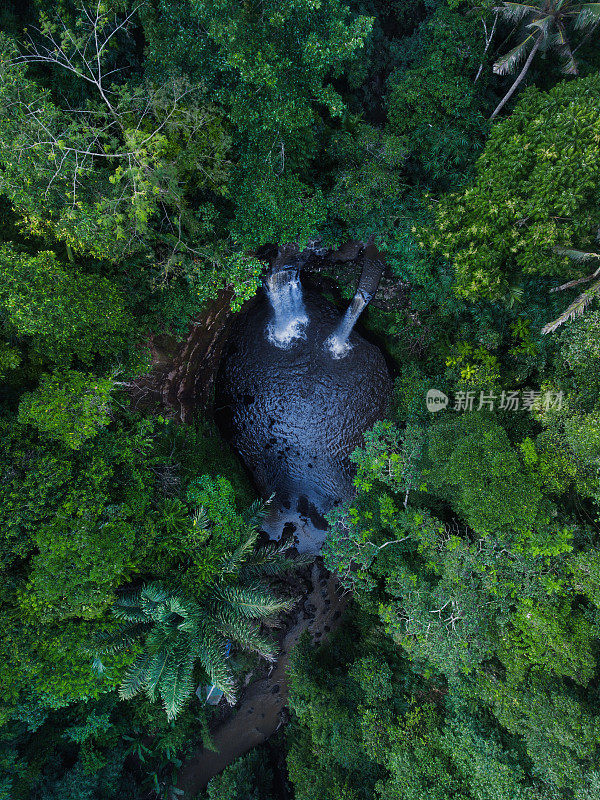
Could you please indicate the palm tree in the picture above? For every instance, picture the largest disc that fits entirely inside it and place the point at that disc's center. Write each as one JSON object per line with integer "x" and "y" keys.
{"x": 579, "y": 305}
{"x": 176, "y": 633}
{"x": 544, "y": 28}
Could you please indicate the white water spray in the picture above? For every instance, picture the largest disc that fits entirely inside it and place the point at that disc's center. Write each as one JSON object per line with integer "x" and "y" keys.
{"x": 284, "y": 291}
{"x": 338, "y": 344}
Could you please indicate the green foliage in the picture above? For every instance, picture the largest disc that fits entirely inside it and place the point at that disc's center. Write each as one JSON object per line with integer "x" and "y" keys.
{"x": 146, "y": 151}
{"x": 68, "y": 406}
{"x": 474, "y": 575}
{"x": 536, "y": 189}
{"x": 382, "y": 731}
{"x": 368, "y": 181}
{"x": 248, "y": 778}
{"x": 96, "y": 180}
{"x": 545, "y": 28}
{"x": 178, "y": 631}
{"x": 61, "y": 312}
{"x": 435, "y": 107}
{"x": 273, "y": 67}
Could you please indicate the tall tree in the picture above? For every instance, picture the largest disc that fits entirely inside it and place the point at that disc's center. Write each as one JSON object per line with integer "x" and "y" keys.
{"x": 546, "y": 30}
{"x": 535, "y": 194}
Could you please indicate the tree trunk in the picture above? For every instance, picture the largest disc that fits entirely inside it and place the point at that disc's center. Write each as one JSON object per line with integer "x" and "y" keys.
{"x": 518, "y": 80}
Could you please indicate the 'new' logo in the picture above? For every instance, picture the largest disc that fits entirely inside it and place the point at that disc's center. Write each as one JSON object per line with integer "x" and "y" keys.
{"x": 436, "y": 400}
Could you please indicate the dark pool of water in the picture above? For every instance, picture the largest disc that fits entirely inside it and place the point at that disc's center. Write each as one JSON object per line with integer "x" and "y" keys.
{"x": 295, "y": 415}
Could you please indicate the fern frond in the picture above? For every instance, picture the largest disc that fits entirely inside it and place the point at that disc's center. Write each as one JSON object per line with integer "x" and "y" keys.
{"x": 134, "y": 680}
{"x": 252, "y": 601}
{"x": 176, "y": 688}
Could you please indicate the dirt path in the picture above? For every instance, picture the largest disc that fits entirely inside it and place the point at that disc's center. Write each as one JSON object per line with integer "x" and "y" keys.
{"x": 259, "y": 713}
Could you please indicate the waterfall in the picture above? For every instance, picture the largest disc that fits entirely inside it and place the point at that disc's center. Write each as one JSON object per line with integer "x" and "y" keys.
{"x": 338, "y": 344}
{"x": 284, "y": 291}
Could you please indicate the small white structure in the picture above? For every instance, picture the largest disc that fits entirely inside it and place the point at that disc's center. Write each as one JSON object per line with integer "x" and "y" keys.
{"x": 209, "y": 694}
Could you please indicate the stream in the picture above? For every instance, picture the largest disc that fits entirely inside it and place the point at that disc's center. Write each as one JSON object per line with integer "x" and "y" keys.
{"x": 296, "y": 389}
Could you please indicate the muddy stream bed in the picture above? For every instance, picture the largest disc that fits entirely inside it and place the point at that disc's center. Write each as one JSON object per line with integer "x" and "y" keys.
{"x": 260, "y": 712}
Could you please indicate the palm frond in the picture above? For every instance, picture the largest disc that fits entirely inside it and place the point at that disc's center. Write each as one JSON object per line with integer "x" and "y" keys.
{"x": 576, "y": 309}
{"x": 111, "y": 642}
{"x": 232, "y": 561}
{"x": 514, "y": 57}
{"x": 569, "y": 66}
{"x": 564, "y": 50}
{"x": 576, "y": 255}
{"x": 156, "y": 670}
{"x": 572, "y": 284}
{"x": 139, "y": 604}
{"x": 128, "y": 606}
{"x": 176, "y": 605}
{"x": 588, "y": 16}
{"x": 275, "y": 568}
{"x": 272, "y": 560}
{"x": 152, "y": 596}
{"x": 516, "y": 12}
{"x": 191, "y": 622}
{"x": 172, "y": 611}
{"x": 247, "y": 634}
{"x": 210, "y": 650}
{"x": 257, "y": 511}
{"x": 161, "y": 638}
{"x": 200, "y": 520}
{"x": 543, "y": 25}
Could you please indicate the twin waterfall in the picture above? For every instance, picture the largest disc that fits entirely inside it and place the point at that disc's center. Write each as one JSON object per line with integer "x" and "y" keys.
{"x": 284, "y": 291}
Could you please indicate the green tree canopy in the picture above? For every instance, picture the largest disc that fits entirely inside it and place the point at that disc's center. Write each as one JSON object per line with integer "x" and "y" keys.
{"x": 536, "y": 190}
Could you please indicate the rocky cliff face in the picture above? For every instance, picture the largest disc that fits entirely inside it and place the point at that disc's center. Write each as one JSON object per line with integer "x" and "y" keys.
{"x": 183, "y": 373}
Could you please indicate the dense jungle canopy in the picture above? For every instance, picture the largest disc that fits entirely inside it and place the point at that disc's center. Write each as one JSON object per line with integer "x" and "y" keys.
{"x": 152, "y": 154}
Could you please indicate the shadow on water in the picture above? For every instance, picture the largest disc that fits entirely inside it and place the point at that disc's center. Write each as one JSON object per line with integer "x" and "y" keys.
{"x": 295, "y": 414}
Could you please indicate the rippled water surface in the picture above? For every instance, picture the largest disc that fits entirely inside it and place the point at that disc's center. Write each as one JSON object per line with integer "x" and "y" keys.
{"x": 294, "y": 415}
